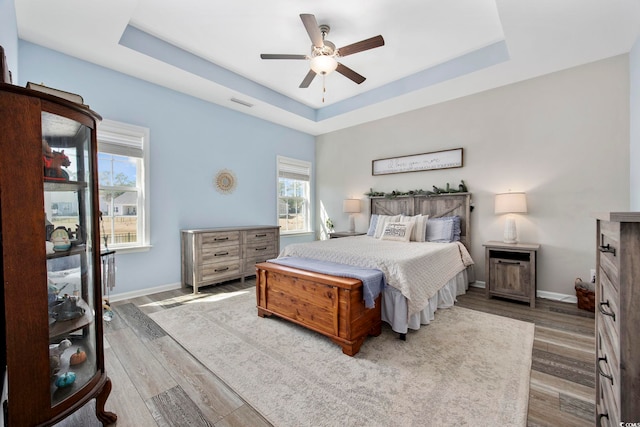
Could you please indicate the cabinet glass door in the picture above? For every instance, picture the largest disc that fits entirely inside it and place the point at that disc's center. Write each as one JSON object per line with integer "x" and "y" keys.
{"x": 66, "y": 153}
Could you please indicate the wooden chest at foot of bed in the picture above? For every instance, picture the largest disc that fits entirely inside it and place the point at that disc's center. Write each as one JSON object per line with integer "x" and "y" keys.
{"x": 333, "y": 306}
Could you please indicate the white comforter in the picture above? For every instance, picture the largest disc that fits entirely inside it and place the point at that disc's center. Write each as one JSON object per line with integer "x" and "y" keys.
{"x": 417, "y": 269}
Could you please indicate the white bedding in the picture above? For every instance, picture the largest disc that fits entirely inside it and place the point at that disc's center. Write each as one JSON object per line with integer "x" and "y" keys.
{"x": 418, "y": 270}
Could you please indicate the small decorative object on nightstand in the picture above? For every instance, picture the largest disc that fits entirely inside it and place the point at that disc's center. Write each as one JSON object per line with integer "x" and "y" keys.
{"x": 511, "y": 270}
{"x": 337, "y": 234}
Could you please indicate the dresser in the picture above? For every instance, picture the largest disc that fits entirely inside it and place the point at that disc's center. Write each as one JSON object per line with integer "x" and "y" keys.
{"x": 216, "y": 255}
{"x": 617, "y": 318}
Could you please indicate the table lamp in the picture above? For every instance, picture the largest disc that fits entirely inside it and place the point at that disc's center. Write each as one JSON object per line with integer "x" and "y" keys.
{"x": 351, "y": 206}
{"x": 510, "y": 203}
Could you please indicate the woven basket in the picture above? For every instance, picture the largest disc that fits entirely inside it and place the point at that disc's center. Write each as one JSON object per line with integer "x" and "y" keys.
{"x": 586, "y": 295}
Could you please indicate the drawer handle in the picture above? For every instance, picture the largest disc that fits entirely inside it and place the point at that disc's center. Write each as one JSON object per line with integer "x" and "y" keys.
{"x": 220, "y": 239}
{"x": 509, "y": 262}
{"x": 261, "y": 249}
{"x": 221, "y": 253}
{"x": 606, "y": 313}
{"x": 261, "y": 235}
{"x": 608, "y": 249}
{"x": 217, "y": 270}
{"x": 601, "y": 372}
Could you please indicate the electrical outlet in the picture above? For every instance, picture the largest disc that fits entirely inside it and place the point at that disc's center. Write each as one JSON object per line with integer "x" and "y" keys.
{"x": 593, "y": 275}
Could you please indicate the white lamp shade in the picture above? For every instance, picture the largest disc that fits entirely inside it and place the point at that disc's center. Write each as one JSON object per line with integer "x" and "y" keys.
{"x": 351, "y": 205}
{"x": 510, "y": 203}
{"x": 323, "y": 64}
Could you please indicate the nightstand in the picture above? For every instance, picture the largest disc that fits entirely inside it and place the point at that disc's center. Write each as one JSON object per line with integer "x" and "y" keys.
{"x": 511, "y": 271}
{"x": 337, "y": 234}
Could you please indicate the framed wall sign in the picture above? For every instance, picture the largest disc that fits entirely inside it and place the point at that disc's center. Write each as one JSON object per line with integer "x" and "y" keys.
{"x": 418, "y": 162}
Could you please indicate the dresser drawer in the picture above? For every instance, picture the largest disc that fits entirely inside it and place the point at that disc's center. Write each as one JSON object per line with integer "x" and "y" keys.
{"x": 250, "y": 264}
{"x": 607, "y": 412}
{"x": 607, "y": 305}
{"x": 609, "y": 248}
{"x": 219, "y": 238}
{"x": 608, "y": 363}
{"x": 218, "y": 253}
{"x": 256, "y": 248}
{"x": 260, "y": 236}
{"x": 217, "y": 272}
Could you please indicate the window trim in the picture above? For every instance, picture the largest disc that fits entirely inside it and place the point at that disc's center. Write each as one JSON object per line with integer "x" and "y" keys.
{"x": 133, "y": 138}
{"x": 282, "y": 160}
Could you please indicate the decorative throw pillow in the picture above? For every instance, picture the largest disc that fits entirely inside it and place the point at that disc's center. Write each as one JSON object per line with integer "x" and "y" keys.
{"x": 398, "y": 231}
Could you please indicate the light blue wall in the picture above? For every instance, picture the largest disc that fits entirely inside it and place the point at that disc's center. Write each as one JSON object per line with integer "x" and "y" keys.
{"x": 9, "y": 35}
{"x": 190, "y": 141}
{"x": 634, "y": 128}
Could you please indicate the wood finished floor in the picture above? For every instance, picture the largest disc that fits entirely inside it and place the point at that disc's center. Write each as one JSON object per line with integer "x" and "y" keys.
{"x": 158, "y": 383}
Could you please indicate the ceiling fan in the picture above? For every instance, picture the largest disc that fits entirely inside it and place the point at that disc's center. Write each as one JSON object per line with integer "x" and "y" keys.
{"x": 324, "y": 55}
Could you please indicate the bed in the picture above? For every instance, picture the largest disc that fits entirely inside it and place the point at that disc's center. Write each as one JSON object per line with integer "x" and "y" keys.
{"x": 420, "y": 277}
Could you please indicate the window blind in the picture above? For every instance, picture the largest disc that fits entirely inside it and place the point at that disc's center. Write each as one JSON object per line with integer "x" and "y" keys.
{"x": 115, "y": 138}
{"x": 294, "y": 169}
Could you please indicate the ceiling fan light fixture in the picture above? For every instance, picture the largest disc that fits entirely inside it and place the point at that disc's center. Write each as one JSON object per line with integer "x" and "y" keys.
{"x": 323, "y": 64}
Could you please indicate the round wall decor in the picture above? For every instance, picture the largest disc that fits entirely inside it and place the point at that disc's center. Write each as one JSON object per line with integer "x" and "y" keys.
{"x": 225, "y": 181}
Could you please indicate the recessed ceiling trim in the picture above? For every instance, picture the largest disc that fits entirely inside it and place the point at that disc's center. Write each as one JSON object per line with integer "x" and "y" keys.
{"x": 456, "y": 67}
{"x": 147, "y": 44}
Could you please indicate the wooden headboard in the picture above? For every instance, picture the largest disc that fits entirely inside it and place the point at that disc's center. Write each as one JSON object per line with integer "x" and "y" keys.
{"x": 436, "y": 206}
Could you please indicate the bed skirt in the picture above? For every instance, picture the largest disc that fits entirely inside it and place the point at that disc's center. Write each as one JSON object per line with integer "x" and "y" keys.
{"x": 395, "y": 311}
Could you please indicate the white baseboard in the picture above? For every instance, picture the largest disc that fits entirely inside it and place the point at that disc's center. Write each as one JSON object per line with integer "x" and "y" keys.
{"x": 478, "y": 284}
{"x": 142, "y": 292}
{"x": 540, "y": 294}
{"x": 557, "y": 297}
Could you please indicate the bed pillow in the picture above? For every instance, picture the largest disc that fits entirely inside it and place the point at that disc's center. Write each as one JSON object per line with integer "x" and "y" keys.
{"x": 373, "y": 222}
{"x": 398, "y": 231}
{"x": 440, "y": 230}
{"x": 457, "y": 231}
{"x": 382, "y": 222}
{"x": 419, "y": 230}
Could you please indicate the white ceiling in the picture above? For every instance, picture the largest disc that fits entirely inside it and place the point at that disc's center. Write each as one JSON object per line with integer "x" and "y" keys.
{"x": 435, "y": 50}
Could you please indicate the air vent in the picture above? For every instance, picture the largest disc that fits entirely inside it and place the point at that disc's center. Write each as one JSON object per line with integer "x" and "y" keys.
{"x": 241, "y": 102}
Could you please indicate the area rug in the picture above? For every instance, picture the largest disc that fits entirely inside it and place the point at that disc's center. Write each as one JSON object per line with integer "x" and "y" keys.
{"x": 465, "y": 368}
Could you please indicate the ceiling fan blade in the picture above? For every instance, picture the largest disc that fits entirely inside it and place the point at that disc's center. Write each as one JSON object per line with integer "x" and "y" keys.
{"x": 367, "y": 44}
{"x": 313, "y": 29}
{"x": 350, "y": 74}
{"x": 308, "y": 79}
{"x": 281, "y": 56}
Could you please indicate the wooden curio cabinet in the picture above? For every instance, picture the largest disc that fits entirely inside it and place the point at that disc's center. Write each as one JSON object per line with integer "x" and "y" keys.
{"x": 50, "y": 263}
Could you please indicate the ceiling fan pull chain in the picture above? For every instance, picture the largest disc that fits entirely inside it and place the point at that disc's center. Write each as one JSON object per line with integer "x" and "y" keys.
{"x": 324, "y": 89}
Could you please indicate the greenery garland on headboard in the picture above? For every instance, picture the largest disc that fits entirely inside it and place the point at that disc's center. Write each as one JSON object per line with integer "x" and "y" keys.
{"x": 462, "y": 188}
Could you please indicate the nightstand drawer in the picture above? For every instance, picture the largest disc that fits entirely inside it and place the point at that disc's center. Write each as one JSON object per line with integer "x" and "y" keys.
{"x": 510, "y": 276}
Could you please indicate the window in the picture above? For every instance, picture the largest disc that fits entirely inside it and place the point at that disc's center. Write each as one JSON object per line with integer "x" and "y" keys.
{"x": 123, "y": 172}
{"x": 294, "y": 195}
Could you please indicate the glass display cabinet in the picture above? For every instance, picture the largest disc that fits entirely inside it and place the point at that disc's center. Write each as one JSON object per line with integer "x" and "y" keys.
{"x": 50, "y": 261}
